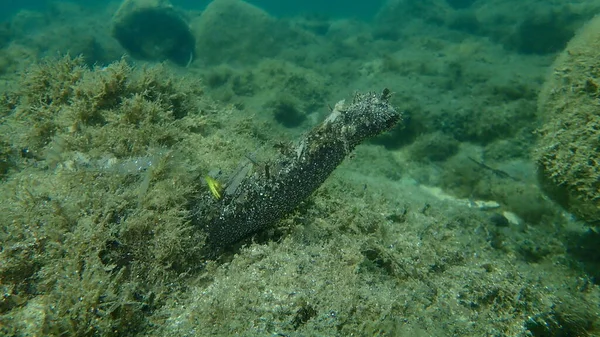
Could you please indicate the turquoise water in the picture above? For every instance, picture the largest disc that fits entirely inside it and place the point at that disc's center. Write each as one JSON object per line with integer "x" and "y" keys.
{"x": 204, "y": 170}
{"x": 337, "y": 8}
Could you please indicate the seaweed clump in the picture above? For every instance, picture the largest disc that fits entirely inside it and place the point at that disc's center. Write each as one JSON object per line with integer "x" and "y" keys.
{"x": 94, "y": 220}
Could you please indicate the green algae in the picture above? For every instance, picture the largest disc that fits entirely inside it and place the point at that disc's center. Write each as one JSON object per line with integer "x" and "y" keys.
{"x": 95, "y": 245}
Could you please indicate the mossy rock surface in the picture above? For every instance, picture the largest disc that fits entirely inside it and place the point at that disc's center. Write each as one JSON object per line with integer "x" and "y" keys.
{"x": 236, "y": 31}
{"x": 93, "y": 149}
{"x": 568, "y": 150}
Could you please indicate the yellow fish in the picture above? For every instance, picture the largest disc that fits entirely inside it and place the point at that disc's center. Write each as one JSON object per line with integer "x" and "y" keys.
{"x": 215, "y": 187}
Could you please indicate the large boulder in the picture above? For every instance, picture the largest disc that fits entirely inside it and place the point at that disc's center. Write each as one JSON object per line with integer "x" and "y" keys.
{"x": 230, "y": 31}
{"x": 568, "y": 150}
{"x": 153, "y": 30}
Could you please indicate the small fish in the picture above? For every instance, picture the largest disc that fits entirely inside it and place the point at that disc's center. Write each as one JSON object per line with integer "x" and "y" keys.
{"x": 215, "y": 187}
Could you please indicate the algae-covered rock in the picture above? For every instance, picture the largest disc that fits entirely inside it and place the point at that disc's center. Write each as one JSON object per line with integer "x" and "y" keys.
{"x": 568, "y": 150}
{"x": 527, "y": 27}
{"x": 233, "y": 30}
{"x": 153, "y": 30}
{"x": 94, "y": 150}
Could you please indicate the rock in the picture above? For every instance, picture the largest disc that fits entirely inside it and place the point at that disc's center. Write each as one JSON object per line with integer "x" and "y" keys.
{"x": 153, "y": 30}
{"x": 567, "y": 153}
{"x": 233, "y": 30}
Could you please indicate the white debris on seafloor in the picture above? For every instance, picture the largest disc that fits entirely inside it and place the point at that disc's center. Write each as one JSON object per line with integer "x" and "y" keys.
{"x": 479, "y": 204}
{"x": 109, "y": 163}
{"x": 512, "y": 218}
{"x": 484, "y": 204}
